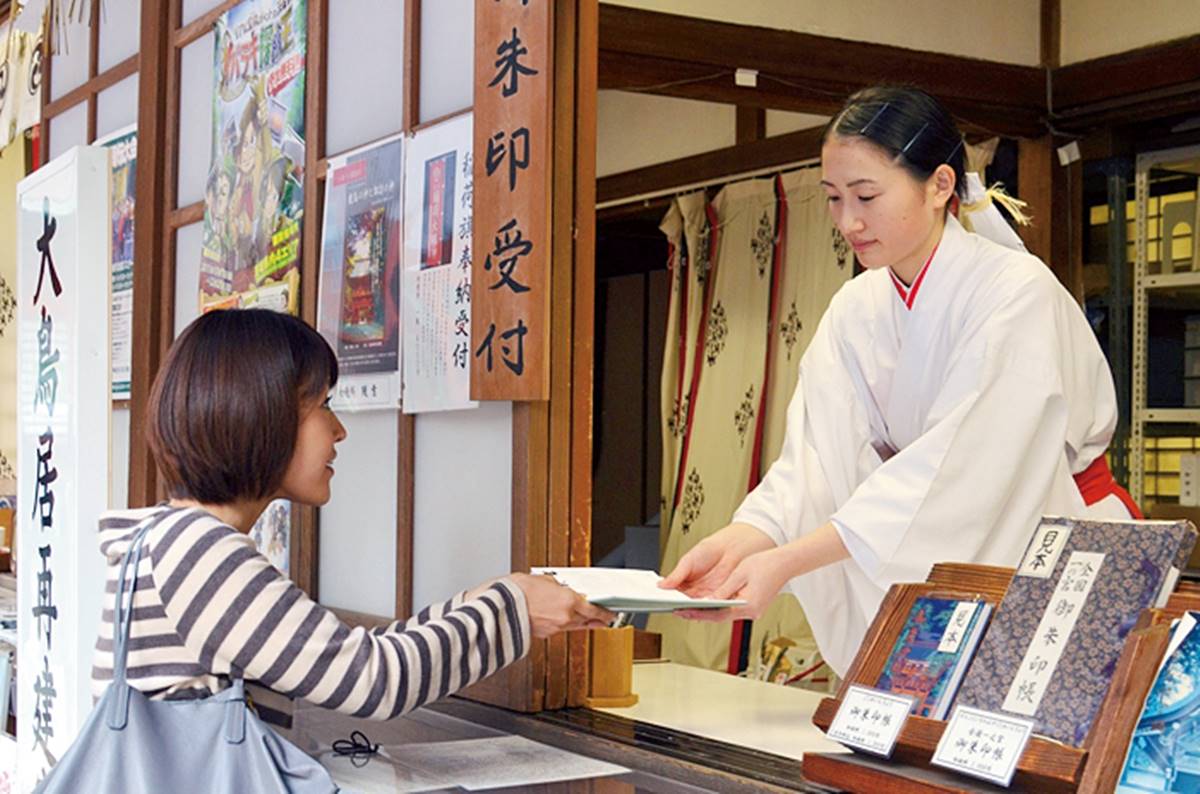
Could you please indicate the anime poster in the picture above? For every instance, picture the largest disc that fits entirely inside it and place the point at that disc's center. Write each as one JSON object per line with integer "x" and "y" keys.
{"x": 437, "y": 267}
{"x": 253, "y": 201}
{"x": 358, "y": 311}
{"x": 272, "y": 533}
{"x": 122, "y": 157}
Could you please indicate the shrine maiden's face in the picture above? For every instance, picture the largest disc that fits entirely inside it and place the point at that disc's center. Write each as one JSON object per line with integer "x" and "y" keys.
{"x": 310, "y": 470}
{"x": 886, "y": 215}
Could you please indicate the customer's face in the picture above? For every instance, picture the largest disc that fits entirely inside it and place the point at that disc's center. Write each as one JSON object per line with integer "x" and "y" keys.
{"x": 311, "y": 468}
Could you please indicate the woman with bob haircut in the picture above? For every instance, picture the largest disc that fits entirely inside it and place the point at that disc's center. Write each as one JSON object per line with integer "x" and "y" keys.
{"x": 952, "y": 395}
{"x": 239, "y": 415}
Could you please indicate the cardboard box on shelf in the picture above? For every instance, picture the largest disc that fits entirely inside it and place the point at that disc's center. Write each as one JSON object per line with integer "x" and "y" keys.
{"x": 1167, "y": 511}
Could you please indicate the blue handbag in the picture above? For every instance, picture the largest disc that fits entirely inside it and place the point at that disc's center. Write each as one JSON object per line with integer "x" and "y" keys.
{"x": 133, "y": 745}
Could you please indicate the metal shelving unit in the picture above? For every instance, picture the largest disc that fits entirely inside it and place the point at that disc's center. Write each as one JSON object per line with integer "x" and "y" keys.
{"x": 1145, "y": 284}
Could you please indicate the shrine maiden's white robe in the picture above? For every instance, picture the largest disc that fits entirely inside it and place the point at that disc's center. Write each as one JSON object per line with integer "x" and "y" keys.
{"x": 940, "y": 432}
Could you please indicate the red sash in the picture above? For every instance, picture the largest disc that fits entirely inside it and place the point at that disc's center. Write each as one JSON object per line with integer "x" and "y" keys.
{"x": 1096, "y": 482}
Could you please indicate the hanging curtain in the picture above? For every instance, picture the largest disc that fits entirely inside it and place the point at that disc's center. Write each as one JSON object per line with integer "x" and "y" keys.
{"x": 817, "y": 261}
{"x": 724, "y": 388}
{"x": 688, "y": 229}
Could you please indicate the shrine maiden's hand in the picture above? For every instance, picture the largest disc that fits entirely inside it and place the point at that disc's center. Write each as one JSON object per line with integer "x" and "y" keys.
{"x": 554, "y": 608}
{"x": 707, "y": 566}
{"x": 757, "y": 579}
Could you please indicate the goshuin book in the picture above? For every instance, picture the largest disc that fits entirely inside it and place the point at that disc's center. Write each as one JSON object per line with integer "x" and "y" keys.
{"x": 1053, "y": 646}
{"x": 1165, "y": 752}
{"x": 932, "y": 652}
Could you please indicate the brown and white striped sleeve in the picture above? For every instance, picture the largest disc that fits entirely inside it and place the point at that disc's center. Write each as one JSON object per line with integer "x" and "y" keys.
{"x": 236, "y": 612}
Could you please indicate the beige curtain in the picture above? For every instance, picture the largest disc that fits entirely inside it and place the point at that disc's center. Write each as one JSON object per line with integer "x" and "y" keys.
{"x": 717, "y": 448}
{"x": 689, "y": 234}
{"x": 746, "y": 318}
{"x": 817, "y": 262}
{"x": 12, "y": 170}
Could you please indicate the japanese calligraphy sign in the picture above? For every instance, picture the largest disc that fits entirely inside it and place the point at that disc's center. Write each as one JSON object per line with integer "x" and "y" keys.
{"x": 20, "y": 77}
{"x": 438, "y": 228}
{"x": 1053, "y": 631}
{"x": 510, "y": 289}
{"x": 870, "y": 719}
{"x": 63, "y": 283}
{"x": 983, "y": 744}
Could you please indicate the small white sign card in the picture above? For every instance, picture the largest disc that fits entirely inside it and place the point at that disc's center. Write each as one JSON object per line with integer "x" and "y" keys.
{"x": 983, "y": 744}
{"x": 870, "y": 719}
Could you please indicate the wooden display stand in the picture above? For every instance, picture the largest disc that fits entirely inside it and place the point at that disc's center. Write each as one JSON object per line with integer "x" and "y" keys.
{"x": 1046, "y": 765}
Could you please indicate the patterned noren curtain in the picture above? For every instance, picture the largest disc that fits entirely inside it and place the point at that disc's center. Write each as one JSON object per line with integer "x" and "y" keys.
{"x": 751, "y": 276}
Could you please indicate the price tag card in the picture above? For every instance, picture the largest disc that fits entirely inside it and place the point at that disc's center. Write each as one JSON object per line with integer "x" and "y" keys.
{"x": 983, "y": 744}
{"x": 870, "y": 719}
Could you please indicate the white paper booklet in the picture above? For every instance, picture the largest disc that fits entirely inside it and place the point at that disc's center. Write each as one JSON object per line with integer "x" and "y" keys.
{"x": 629, "y": 590}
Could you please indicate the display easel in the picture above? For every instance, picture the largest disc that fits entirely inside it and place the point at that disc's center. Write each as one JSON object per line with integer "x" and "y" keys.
{"x": 1046, "y": 765}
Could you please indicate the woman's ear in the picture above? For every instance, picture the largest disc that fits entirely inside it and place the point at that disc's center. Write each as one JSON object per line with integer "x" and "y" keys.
{"x": 942, "y": 183}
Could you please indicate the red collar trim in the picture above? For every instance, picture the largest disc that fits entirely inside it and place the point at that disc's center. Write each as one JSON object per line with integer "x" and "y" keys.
{"x": 909, "y": 294}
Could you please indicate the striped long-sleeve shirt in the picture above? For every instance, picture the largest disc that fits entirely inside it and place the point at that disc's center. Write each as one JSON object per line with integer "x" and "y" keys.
{"x": 207, "y": 603}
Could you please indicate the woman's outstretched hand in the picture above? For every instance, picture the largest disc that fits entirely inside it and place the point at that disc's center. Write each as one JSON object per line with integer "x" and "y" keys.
{"x": 706, "y": 567}
{"x": 554, "y": 608}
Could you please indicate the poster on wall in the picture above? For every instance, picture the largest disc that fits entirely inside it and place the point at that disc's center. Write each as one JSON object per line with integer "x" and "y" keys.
{"x": 253, "y": 200}
{"x": 358, "y": 306}
{"x": 122, "y": 157}
{"x": 63, "y": 411}
{"x": 437, "y": 267}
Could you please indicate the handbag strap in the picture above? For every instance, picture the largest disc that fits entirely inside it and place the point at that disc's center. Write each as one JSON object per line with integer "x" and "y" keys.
{"x": 118, "y": 711}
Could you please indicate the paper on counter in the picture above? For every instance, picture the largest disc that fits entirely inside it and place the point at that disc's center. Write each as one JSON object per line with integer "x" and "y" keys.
{"x": 471, "y": 764}
{"x": 629, "y": 590}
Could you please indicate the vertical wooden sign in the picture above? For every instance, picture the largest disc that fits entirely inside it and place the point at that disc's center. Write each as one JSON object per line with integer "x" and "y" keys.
{"x": 510, "y": 283}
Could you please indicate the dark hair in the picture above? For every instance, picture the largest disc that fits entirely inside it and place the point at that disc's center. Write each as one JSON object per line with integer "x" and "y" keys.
{"x": 225, "y": 407}
{"x": 908, "y": 124}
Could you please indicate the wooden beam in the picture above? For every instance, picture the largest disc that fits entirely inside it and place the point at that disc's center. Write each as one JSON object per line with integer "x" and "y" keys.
{"x": 198, "y": 27}
{"x": 750, "y": 124}
{"x": 1171, "y": 67}
{"x": 411, "y": 101}
{"x": 148, "y": 321}
{"x": 406, "y": 469}
{"x": 1051, "y": 31}
{"x": 93, "y": 65}
{"x": 1055, "y": 197}
{"x": 767, "y": 153}
{"x": 584, "y": 327}
{"x": 829, "y": 67}
{"x": 91, "y": 88}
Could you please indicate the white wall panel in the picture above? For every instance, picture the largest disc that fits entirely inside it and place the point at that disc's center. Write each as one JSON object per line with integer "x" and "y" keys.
{"x": 120, "y": 27}
{"x": 116, "y": 106}
{"x": 68, "y": 129}
{"x": 637, "y": 130}
{"x": 366, "y": 37}
{"x": 195, "y": 8}
{"x": 462, "y": 510}
{"x": 447, "y": 60}
{"x": 119, "y": 459}
{"x": 69, "y": 68}
{"x": 1095, "y": 28}
{"x": 358, "y": 526}
{"x": 187, "y": 275}
{"x": 195, "y": 118}
{"x": 780, "y": 122}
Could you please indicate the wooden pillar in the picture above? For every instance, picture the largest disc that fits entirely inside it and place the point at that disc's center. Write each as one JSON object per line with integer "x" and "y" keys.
{"x": 149, "y": 315}
{"x": 750, "y": 124}
{"x": 1055, "y": 196}
{"x": 552, "y": 443}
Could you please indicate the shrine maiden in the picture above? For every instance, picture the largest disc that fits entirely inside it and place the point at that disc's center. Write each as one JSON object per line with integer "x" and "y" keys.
{"x": 952, "y": 395}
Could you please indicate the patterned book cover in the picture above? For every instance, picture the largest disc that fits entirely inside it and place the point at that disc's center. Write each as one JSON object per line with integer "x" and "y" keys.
{"x": 937, "y": 640}
{"x": 1054, "y": 642}
{"x": 1165, "y": 752}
